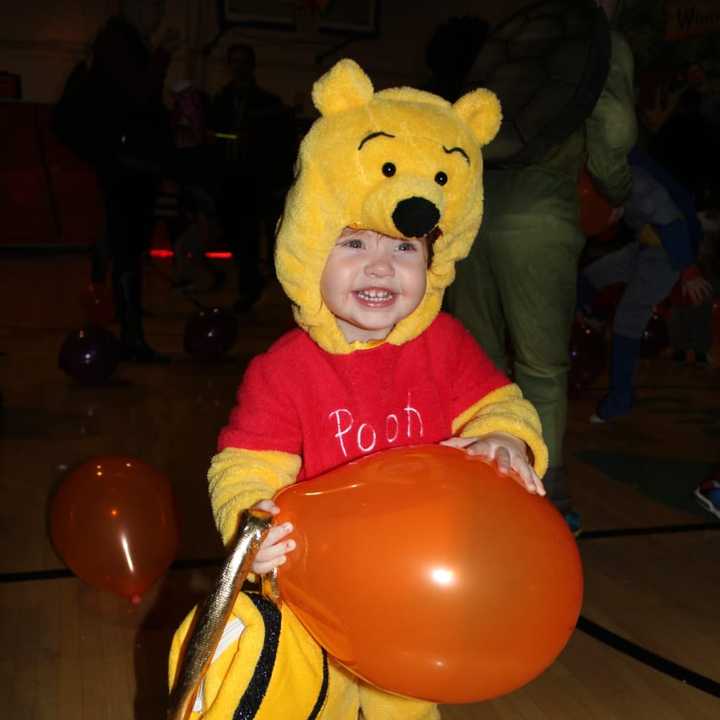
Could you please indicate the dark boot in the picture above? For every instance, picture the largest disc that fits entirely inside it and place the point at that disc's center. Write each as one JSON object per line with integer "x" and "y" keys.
{"x": 134, "y": 348}
{"x": 556, "y": 486}
{"x": 619, "y": 401}
{"x": 558, "y": 492}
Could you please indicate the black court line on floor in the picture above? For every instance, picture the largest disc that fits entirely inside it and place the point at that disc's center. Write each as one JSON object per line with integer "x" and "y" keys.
{"x": 585, "y": 625}
{"x": 649, "y": 658}
{"x": 656, "y": 530}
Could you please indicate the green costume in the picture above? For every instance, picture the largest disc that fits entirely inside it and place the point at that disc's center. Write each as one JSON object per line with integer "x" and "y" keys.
{"x": 520, "y": 276}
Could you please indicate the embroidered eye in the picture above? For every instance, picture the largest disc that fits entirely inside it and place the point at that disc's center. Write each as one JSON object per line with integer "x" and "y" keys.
{"x": 441, "y": 178}
{"x": 388, "y": 169}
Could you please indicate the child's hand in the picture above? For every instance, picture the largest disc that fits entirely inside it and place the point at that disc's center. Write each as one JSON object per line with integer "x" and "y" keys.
{"x": 509, "y": 453}
{"x": 272, "y": 551}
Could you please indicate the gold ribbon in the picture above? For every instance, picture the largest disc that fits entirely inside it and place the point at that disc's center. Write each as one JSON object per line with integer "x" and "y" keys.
{"x": 211, "y": 618}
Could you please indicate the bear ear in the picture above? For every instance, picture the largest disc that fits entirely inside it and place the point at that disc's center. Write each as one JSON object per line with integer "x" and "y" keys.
{"x": 343, "y": 87}
{"x": 480, "y": 109}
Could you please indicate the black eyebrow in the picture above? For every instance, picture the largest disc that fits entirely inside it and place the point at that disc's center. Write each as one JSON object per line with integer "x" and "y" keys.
{"x": 457, "y": 150}
{"x": 373, "y": 135}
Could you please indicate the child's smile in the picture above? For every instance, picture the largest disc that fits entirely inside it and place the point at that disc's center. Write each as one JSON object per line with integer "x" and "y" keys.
{"x": 375, "y": 297}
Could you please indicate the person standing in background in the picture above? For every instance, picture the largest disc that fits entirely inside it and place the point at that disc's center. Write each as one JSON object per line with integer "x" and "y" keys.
{"x": 521, "y": 274}
{"x": 258, "y": 142}
{"x": 134, "y": 144}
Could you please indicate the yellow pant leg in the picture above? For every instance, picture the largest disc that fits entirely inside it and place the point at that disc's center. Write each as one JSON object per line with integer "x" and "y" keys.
{"x": 379, "y": 705}
{"x": 343, "y": 697}
{"x": 272, "y": 669}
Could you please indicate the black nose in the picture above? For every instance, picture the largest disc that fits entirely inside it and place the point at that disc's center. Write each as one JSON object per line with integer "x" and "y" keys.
{"x": 415, "y": 216}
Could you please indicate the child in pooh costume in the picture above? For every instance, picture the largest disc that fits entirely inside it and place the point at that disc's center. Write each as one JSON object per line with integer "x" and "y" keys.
{"x": 387, "y": 197}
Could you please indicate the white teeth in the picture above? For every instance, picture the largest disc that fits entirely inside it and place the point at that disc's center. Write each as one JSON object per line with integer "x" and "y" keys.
{"x": 374, "y": 295}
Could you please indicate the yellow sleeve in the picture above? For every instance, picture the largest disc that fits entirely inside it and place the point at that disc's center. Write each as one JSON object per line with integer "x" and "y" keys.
{"x": 505, "y": 410}
{"x": 239, "y": 478}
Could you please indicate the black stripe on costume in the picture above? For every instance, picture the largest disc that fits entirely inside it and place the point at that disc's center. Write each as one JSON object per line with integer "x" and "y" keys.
{"x": 322, "y": 695}
{"x": 253, "y": 696}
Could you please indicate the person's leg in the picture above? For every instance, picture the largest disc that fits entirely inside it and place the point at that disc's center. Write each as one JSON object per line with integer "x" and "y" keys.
{"x": 131, "y": 220}
{"x": 205, "y": 210}
{"x": 700, "y": 326}
{"x": 378, "y": 705}
{"x": 679, "y": 332}
{"x": 241, "y": 221}
{"x": 651, "y": 282}
{"x": 615, "y": 267}
{"x": 536, "y": 269}
{"x": 474, "y": 299}
{"x": 100, "y": 258}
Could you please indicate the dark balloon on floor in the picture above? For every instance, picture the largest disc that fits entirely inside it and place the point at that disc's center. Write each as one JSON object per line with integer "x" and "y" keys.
{"x": 97, "y": 304}
{"x": 655, "y": 338}
{"x": 90, "y": 355}
{"x": 210, "y": 334}
{"x": 587, "y": 357}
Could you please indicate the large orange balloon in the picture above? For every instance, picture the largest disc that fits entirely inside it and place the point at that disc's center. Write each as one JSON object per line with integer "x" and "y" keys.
{"x": 595, "y": 210}
{"x": 113, "y": 522}
{"x": 427, "y": 573}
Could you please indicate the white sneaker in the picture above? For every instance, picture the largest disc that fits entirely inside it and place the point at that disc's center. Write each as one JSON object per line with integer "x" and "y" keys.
{"x": 595, "y": 419}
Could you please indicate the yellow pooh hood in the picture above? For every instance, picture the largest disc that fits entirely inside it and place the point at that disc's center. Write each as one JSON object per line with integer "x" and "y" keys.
{"x": 400, "y": 162}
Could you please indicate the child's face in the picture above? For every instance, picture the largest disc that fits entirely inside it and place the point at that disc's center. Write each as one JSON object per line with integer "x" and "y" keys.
{"x": 372, "y": 281}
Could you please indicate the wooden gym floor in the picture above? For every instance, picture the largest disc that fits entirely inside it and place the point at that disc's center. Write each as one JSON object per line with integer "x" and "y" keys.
{"x": 648, "y": 644}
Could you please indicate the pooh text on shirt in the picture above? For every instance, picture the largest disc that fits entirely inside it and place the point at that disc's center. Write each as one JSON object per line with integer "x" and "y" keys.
{"x": 365, "y": 435}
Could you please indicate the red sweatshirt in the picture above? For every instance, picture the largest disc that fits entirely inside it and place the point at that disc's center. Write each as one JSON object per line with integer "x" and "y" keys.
{"x": 330, "y": 409}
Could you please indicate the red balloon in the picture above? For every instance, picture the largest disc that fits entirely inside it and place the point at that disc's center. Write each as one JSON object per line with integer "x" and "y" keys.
{"x": 113, "y": 522}
{"x": 428, "y": 574}
{"x": 97, "y": 303}
{"x": 595, "y": 210}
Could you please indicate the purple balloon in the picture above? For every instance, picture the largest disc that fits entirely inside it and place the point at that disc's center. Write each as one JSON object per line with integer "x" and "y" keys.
{"x": 210, "y": 334}
{"x": 89, "y": 355}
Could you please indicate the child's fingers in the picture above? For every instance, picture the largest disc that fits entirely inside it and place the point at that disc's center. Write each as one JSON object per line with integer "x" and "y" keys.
{"x": 533, "y": 482}
{"x": 502, "y": 459}
{"x": 458, "y": 442}
{"x": 272, "y": 555}
{"x": 267, "y": 506}
{"x": 481, "y": 447}
{"x": 273, "y": 552}
{"x": 263, "y": 568}
{"x": 276, "y": 534}
{"x": 529, "y": 478}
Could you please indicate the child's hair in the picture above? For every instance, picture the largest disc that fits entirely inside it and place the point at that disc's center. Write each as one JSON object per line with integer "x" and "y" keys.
{"x": 430, "y": 239}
